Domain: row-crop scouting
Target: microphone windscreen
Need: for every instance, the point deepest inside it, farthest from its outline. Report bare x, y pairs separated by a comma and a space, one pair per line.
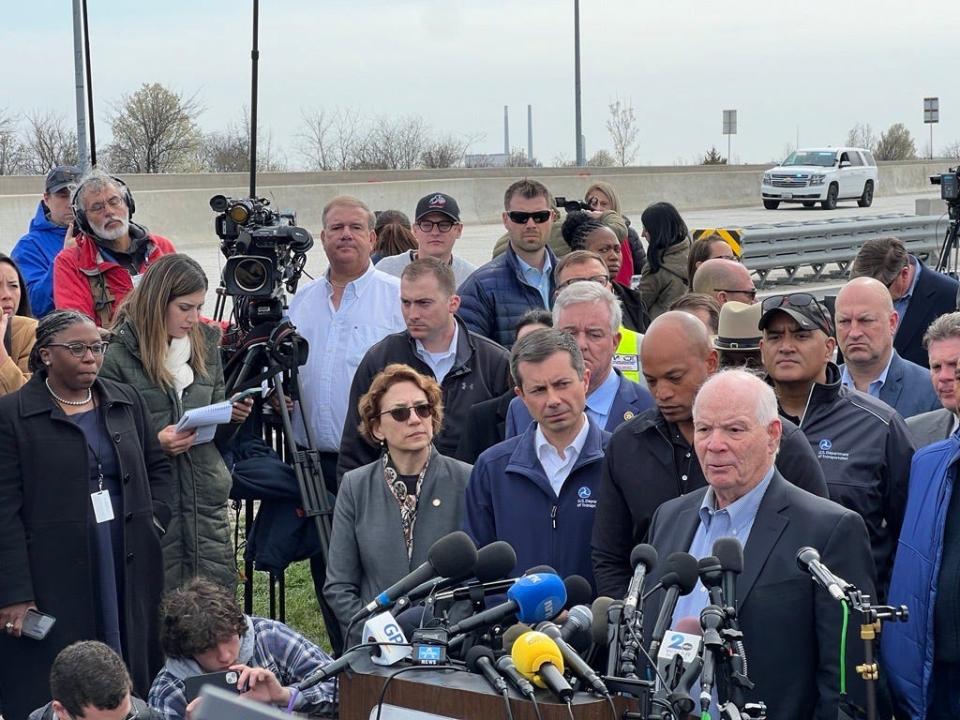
681, 569
531, 650
578, 590
453, 554
689, 625
540, 569
474, 654
538, 597
598, 629
708, 564
805, 556
729, 552
643, 553
495, 561
511, 634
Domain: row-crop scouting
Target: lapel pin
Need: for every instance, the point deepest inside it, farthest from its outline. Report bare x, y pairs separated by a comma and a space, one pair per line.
436, 502
628, 415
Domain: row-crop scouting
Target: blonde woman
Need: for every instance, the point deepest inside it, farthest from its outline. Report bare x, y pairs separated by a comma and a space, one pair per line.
162, 348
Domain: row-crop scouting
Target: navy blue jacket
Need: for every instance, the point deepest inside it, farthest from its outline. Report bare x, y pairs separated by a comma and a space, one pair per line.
907, 648
934, 295
509, 498
908, 389
34, 254
495, 297
631, 399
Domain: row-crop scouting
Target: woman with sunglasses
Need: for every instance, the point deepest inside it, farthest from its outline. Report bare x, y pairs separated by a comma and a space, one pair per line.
163, 349
84, 490
390, 512
664, 277
18, 329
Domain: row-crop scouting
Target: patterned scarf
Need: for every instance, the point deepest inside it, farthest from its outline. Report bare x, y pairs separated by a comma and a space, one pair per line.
408, 502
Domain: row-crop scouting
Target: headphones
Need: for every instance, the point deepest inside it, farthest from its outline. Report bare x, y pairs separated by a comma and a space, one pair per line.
80, 217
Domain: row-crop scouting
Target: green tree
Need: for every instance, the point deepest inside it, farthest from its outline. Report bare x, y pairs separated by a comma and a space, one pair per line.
713, 157
895, 144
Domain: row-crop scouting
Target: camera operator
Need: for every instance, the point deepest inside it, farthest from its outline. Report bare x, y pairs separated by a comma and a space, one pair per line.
88, 681
203, 630
111, 252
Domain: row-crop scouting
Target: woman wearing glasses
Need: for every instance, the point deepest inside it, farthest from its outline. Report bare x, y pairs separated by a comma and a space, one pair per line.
18, 329
390, 512
84, 490
163, 349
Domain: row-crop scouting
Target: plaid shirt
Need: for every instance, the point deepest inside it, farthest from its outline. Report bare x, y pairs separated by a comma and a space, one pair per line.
286, 653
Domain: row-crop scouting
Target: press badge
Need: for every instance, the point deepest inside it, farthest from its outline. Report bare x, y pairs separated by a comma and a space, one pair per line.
102, 507
626, 362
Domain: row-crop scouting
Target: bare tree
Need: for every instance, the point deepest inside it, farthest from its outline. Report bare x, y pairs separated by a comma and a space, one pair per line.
518, 158
12, 155
448, 151
154, 130
951, 151
602, 159
713, 157
47, 143
348, 133
861, 135
622, 126
229, 150
895, 144
392, 143
315, 143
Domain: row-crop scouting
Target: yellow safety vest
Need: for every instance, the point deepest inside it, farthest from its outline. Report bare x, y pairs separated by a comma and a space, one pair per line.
627, 357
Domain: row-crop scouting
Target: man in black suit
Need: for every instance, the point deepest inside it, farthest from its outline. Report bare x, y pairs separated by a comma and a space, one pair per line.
920, 294
791, 626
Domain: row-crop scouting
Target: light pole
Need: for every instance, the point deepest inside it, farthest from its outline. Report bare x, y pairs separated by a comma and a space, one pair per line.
576, 81
80, 85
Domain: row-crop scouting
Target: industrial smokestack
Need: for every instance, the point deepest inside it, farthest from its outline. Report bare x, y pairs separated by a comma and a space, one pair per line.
506, 130
530, 133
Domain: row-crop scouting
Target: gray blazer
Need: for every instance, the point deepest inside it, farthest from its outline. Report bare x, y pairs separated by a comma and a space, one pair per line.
930, 427
367, 552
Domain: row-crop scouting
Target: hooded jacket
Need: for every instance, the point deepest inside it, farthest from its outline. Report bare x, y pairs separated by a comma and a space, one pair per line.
659, 289
75, 267
34, 254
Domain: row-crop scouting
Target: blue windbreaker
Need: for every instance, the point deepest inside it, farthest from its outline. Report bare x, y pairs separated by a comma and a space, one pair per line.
34, 254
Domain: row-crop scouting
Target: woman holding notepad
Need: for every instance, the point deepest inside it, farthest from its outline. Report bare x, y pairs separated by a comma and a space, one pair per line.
163, 348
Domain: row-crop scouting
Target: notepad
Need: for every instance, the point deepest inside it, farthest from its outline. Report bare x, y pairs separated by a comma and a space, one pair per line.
205, 420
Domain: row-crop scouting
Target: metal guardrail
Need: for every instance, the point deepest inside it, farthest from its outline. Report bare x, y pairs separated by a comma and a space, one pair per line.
818, 245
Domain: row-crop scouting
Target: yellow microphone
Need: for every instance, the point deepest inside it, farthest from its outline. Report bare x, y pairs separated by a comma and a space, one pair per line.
538, 659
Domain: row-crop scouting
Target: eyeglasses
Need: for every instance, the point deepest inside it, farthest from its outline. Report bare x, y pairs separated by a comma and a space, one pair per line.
79, 349
115, 202
402, 414
521, 218
441, 225
602, 279
798, 300
752, 294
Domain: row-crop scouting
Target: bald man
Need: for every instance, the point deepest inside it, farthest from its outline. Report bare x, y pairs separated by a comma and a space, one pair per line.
725, 280
866, 325
651, 458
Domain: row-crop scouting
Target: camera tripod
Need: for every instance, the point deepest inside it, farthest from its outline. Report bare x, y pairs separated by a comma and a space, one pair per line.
948, 249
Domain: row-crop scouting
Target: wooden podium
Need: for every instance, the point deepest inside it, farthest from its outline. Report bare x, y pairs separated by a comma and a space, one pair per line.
456, 694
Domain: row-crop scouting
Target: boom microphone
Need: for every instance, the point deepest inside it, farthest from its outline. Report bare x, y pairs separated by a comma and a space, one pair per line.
533, 598
538, 658
494, 561
643, 558
679, 578
576, 664
808, 559
449, 555
729, 552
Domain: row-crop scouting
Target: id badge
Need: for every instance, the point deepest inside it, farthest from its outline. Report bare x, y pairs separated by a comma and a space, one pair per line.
102, 507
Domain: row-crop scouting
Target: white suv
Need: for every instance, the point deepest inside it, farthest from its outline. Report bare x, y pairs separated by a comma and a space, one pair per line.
821, 175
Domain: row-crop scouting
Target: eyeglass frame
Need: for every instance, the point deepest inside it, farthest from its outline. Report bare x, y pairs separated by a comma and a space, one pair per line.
102, 345
752, 293
435, 224
406, 410
764, 309
599, 279
528, 216
99, 207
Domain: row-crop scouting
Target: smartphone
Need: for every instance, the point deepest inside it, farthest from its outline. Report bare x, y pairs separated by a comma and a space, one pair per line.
37, 625
244, 394
226, 680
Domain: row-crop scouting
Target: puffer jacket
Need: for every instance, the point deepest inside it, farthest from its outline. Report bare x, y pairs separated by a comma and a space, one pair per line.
197, 542
495, 297
34, 254
659, 289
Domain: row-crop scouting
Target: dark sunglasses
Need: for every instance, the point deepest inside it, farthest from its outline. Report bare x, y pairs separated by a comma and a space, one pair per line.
798, 300
539, 217
402, 414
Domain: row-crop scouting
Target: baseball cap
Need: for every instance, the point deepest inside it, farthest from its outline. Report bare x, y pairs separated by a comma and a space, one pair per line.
438, 202
63, 176
803, 307
739, 327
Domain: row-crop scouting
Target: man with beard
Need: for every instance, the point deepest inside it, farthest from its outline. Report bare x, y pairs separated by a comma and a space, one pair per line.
110, 254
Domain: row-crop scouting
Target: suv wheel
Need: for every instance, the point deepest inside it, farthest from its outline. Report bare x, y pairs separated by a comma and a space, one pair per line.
771, 204
866, 200
809, 203
831, 202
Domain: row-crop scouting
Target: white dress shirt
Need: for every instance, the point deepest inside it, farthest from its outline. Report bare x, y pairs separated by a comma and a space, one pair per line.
440, 362
339, 338
557, 468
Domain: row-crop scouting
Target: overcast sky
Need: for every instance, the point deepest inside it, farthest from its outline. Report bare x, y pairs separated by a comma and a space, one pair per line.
820, 66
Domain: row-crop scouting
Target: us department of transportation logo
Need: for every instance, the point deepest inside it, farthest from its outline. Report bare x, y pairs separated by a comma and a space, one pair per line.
828, 453
825, 444
585, 498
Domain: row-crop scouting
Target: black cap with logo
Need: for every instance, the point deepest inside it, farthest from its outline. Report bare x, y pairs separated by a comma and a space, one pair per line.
440, 203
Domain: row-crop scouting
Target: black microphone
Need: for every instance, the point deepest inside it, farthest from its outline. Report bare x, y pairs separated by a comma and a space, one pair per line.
577, 626
729, 552
808, 559
449, 555
480, 660
330, 669
711, 620
508, 669
537, 569
643, 558
679, 698
572, 660
494, 561
711, 575
579, 591
679, 578
601, 620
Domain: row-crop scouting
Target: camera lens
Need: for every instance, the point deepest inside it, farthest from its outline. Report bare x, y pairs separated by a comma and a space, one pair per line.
251, 275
